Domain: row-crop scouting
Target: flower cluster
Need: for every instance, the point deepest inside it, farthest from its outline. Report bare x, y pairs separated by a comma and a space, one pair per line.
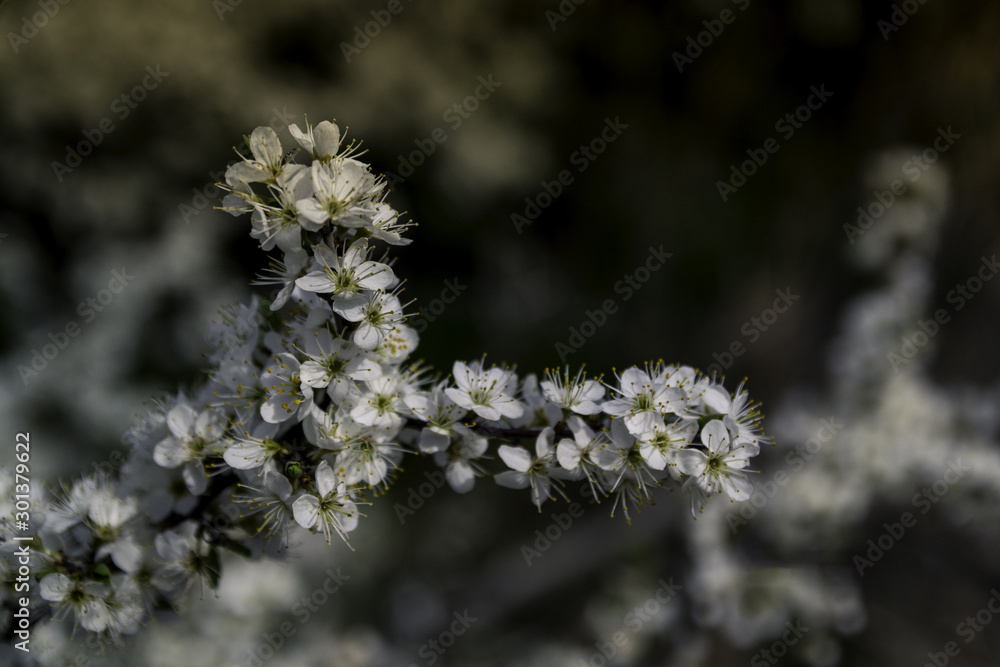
313, 403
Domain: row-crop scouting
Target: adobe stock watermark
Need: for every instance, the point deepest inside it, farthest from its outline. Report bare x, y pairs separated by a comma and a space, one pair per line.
696, 44
563, 11
303, 610
121, 107
418, 495
958, 297
924, 500
967, 629
561, 522
627, 286
30, 26
88, 310
435, 307
432, 650
796, 460
381, 18
901, 13
581, 159
752, 330
779, 649
455, 115
913, 169
786, 126
633, 622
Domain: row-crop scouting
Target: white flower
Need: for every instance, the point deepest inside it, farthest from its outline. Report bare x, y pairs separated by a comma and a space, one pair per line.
367, 454
340, 190
267, 162
376, 313
537, 471
88, 600
193, 436
660, 445
272, 502
719, 469
71, 507
282, 224
347, 276
180, 562
382, 402
634, 474
488, 393
335, 363
743, 421
107, 514
579, 395
457, 460
247, 453
586, 455
643, 402
287, 395
331, 511
385, 226
322, 141
325, 428
241, 388
440, 412
397, 344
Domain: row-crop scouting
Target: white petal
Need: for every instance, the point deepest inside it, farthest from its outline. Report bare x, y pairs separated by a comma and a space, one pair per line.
246, 455
460, 476
169, 453
327, 137
516, 458
314, 375
195, 477
211, 424
180, 421
432, 441
653, 456
351, 308
512, 479
55, 587
349, 521
461, 373
737, 486
692, 462
715, 436
717, 400
568, 454
635, 381
305, 510
126, 554
509, 408
265, 146
326, 479
366, 336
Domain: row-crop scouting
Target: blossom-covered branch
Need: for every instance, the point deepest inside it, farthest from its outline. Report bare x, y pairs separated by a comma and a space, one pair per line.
313, 403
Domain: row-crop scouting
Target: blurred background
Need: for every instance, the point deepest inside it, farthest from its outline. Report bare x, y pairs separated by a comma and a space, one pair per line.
117, 119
